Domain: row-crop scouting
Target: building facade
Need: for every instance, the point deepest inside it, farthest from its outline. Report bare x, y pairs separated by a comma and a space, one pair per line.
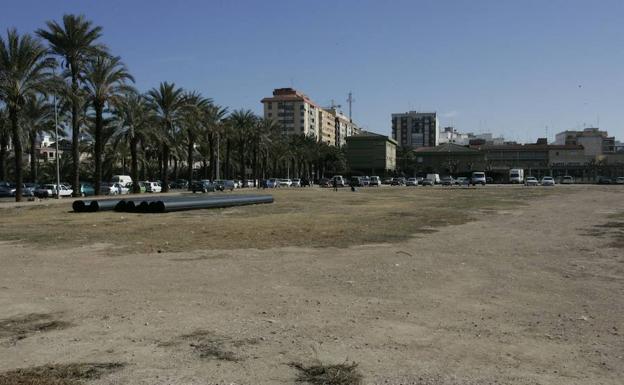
327, 127
371, 154
594, 141
344, 126
295, 112
415, 129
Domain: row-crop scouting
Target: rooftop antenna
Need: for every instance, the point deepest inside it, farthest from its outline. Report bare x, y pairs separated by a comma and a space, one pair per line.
334, 105
350, 100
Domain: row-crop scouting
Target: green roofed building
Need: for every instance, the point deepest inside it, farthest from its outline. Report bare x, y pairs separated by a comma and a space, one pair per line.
370, 153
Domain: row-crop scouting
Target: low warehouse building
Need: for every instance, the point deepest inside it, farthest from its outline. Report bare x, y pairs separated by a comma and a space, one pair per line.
371, 154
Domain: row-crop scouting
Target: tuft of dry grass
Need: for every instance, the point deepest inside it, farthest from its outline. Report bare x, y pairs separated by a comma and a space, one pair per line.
209, 345
59, 374
321, 374
20, 327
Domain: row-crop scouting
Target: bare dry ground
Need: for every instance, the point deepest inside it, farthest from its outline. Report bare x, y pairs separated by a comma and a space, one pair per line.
429, 286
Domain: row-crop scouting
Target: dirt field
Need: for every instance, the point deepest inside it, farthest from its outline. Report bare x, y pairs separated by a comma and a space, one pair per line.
429, 286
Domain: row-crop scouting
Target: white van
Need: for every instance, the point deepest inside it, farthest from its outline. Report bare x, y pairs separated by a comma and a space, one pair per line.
124, 180
478, 177
516, 175
434, 177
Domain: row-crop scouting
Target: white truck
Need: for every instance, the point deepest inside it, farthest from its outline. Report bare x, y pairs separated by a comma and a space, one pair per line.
434, 177
124, 180
516, 175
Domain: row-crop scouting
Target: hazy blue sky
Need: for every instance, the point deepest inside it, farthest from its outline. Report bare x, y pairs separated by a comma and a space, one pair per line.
507, 67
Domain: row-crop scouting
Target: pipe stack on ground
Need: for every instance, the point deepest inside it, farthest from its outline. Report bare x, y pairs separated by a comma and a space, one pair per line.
91, 206
169, 203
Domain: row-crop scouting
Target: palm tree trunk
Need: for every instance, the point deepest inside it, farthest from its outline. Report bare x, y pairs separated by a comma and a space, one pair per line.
213, 157
17, 148
227, 159
98, 148
254, 165
75, 136
165, 168
134, 165
191, 145
4, 144
33, 156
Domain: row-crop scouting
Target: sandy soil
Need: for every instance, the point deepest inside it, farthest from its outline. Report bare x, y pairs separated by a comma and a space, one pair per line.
524, 295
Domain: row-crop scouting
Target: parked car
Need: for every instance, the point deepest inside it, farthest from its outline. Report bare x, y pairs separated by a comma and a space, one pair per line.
340, 182
387, 181
427, 182
296, 182
365, 181
604, 180
180, 184
305, 182
152, 187
400, 181
86, 189
224, 184
619, 180
547, 181
285, 183
49, 191
375, 181
531, 181
489, 179
567, 179
271, 183
462, 180
28, 190
478, 177
325, 182
447, 181
203, 185
113, 189
411, 182
356, 181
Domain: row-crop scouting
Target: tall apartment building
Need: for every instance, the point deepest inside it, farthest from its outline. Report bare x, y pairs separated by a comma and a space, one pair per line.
295, 112
327, 127
415, 129
344, 126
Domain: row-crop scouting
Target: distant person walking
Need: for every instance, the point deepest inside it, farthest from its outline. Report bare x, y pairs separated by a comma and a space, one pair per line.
335, 183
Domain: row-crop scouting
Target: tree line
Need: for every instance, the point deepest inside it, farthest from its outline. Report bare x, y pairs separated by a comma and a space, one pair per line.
64, 70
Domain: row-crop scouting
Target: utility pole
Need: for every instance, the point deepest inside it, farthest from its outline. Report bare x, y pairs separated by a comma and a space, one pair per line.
56, 140
350, 100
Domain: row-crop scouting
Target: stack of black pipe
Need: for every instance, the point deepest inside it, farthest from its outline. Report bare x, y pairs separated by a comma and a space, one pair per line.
169, 203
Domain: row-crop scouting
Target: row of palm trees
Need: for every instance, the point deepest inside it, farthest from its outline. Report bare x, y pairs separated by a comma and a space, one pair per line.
64, 68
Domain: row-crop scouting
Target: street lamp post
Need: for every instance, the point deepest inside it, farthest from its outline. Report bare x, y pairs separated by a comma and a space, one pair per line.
56, 133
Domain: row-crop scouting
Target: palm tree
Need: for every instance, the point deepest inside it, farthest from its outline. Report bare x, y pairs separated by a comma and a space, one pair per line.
134, 125
209, 137
168, 102
4, 143
193, 121
38, 117
243, 123
24, 74
75, 42
104, 80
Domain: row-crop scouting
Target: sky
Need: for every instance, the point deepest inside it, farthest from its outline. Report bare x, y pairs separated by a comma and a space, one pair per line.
518, 68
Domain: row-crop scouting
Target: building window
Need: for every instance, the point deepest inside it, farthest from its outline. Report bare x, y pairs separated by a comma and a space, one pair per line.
269, 114
270, 105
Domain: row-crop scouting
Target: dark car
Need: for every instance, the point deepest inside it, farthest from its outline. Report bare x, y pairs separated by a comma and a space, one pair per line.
489, 180
179, 184
305, 182
447, 181
325, 182
604, 180
202, 186
398, 181
356, 181
427, 182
